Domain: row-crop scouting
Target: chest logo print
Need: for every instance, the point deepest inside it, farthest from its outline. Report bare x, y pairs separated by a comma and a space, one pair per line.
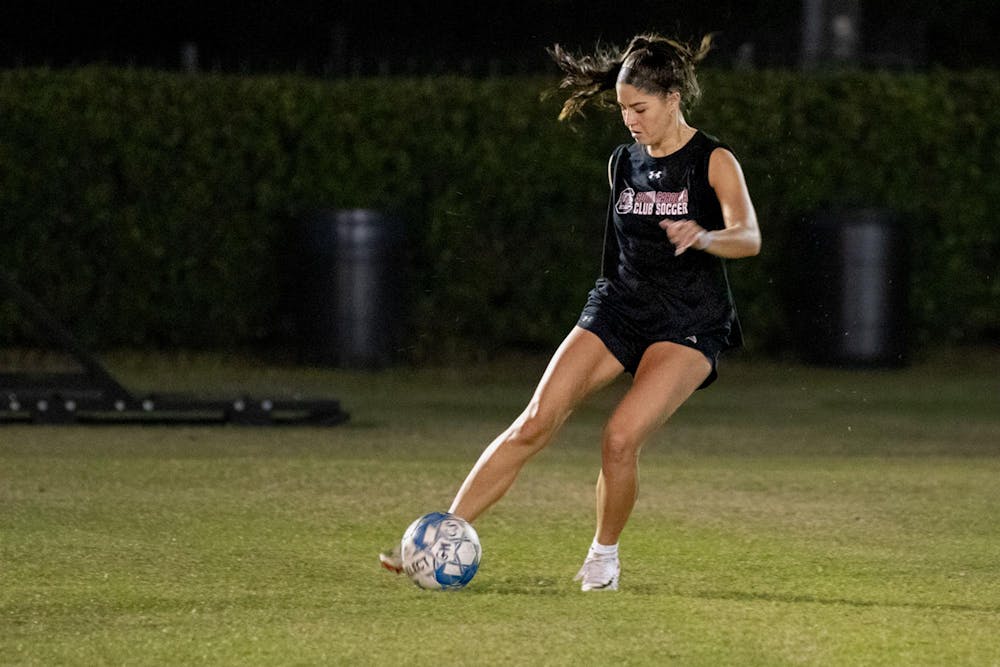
625, 201
652, 202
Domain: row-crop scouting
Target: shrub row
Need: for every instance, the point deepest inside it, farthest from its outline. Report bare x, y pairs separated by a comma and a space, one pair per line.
158, 209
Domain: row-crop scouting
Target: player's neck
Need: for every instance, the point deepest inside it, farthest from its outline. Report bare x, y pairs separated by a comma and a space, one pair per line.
673, 140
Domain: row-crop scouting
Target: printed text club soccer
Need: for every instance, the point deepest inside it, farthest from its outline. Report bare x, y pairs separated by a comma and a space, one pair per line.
652, 202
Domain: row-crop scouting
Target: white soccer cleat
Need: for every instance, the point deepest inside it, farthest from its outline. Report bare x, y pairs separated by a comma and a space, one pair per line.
599, 574
392, 560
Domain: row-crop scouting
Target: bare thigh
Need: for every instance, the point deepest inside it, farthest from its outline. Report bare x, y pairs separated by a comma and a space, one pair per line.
667, 375
581, 366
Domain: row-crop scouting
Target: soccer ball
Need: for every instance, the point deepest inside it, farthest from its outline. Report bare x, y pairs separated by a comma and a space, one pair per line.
441, 551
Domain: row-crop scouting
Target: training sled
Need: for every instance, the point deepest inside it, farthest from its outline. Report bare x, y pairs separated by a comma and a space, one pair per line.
93, 395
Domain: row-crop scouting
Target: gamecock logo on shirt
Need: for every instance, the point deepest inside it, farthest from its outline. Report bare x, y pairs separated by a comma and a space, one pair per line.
625, 201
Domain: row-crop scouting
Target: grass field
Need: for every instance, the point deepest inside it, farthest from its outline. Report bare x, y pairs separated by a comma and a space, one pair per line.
788, 516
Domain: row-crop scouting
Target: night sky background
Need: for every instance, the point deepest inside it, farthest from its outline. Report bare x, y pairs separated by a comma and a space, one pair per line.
341, 38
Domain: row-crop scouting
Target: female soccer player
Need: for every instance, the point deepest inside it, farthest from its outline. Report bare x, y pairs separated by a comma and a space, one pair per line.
661, 310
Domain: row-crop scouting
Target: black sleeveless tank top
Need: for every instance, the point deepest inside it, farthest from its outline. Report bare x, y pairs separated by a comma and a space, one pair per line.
662, 295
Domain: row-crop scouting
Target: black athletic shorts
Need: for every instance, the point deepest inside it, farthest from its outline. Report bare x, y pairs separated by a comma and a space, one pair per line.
628, 344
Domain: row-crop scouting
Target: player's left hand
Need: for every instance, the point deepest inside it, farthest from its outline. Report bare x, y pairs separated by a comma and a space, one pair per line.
684, 234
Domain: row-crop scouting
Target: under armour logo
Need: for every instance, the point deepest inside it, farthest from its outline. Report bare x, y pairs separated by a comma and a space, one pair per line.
655, 174
693, 339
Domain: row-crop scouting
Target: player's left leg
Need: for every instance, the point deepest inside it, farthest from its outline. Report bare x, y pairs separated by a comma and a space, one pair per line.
666, 377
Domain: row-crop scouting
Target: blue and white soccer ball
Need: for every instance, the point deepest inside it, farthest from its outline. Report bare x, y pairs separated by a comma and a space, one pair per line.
441, 551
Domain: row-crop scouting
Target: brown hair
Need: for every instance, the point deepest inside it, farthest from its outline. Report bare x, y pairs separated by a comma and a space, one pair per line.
652, 63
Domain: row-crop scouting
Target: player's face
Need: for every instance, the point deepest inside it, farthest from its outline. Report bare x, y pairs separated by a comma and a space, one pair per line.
647, 116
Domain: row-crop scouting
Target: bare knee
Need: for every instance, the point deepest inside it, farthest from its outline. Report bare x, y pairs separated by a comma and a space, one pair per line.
533, 430
620, 446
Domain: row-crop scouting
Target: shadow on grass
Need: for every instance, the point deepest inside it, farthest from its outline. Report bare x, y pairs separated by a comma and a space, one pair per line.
511, 587
791, 598
553, 588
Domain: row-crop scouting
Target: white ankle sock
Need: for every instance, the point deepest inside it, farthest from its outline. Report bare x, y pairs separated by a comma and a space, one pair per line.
603, 550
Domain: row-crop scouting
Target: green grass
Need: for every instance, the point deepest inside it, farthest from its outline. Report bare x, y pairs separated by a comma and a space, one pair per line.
788, 516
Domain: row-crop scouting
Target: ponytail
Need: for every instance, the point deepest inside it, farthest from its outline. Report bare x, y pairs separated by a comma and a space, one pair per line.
650, 62
587, 77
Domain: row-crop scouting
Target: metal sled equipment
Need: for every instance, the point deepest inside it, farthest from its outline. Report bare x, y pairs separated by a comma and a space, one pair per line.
93, 395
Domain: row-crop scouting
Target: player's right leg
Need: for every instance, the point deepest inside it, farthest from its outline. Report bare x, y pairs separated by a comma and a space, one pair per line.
580, 366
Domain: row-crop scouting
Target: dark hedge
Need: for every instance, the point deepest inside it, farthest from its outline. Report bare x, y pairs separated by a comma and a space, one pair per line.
162, 209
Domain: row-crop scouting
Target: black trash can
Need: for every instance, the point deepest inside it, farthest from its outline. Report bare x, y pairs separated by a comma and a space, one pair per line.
350, 277
851, 302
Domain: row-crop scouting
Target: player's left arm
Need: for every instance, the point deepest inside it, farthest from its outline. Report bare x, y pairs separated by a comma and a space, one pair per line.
741, 235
